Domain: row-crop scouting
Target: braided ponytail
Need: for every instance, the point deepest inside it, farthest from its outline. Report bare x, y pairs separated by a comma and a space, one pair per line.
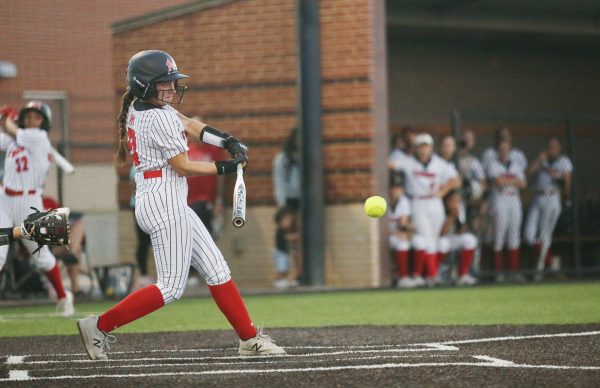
122, 150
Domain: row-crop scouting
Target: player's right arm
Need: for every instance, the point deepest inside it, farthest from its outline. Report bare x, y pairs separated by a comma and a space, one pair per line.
537, 164
185, 167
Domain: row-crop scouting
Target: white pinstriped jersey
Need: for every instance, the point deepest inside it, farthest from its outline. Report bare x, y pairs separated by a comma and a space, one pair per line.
425, 179
396, 156
179, 239
154, 135
511, 169
515, 155
27, 161
544, 181
398, 210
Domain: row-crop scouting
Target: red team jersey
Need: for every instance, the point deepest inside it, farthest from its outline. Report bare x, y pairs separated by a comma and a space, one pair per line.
204, 187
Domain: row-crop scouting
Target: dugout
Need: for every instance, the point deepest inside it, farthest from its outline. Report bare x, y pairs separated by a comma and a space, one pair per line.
530, 66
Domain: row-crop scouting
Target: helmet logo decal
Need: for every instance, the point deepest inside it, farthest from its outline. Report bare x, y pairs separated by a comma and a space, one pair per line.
171, 65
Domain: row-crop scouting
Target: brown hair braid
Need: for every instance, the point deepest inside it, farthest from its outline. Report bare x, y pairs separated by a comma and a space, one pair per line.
122, 150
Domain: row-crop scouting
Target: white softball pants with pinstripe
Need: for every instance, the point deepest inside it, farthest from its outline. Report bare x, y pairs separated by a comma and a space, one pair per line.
179, 239
541, 219
13, 210
428, 217
507, 215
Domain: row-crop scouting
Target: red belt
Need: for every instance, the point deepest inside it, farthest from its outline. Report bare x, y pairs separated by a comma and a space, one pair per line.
13, 193
152, 174
546, 192
430, 196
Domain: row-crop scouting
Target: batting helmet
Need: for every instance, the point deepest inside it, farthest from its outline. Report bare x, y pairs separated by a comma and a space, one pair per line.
39, 107
148, 67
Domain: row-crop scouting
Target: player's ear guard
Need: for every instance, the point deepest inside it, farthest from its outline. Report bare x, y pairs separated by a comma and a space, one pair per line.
230, 166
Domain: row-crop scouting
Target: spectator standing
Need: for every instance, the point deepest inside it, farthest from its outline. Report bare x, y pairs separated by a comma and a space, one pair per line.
473, 180
287, 187
507, 179
428, 179
551, 173
400, 231
402, 146
456, 237
285, 238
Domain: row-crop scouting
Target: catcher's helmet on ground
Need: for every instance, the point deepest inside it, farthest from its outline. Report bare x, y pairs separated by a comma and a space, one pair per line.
148, 67
39, 107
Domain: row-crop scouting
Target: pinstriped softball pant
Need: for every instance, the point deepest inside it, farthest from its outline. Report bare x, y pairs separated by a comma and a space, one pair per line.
179, 238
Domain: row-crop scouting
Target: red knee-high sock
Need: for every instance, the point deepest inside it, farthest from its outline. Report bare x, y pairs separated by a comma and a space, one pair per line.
432, 265
230, 302
54, 277
402, 263
498, 261
440, 257
419, 263
513, 259
548, 258
136, 305
466, 258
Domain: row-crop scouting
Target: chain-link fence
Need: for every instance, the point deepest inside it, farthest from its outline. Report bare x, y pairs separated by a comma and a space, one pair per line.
540, 214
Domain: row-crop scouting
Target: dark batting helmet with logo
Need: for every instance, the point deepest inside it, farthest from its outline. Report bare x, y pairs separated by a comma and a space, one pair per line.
148, 67
39, 107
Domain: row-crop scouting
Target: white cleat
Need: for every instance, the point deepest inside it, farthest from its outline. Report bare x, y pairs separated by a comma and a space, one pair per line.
94, 340
261, 345
418, 281
405, 282
64, 307
466, 280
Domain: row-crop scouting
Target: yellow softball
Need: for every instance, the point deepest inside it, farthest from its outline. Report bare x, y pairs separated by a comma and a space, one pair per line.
375, 206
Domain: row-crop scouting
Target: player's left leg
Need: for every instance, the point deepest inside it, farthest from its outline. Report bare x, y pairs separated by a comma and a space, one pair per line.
515, 214
47, 263
549, 217
44, 259
208, 260
467, 243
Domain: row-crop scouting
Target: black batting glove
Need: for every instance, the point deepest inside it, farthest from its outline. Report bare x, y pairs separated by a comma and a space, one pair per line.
235, 147
230, 166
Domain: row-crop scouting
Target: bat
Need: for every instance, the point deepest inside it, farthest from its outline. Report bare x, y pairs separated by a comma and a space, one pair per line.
239, 199
63, 163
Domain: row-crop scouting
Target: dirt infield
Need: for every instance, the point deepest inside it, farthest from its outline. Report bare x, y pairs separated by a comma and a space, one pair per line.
344, 356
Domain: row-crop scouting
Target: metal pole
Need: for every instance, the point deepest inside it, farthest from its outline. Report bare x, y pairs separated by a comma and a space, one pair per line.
574, 200
313, 198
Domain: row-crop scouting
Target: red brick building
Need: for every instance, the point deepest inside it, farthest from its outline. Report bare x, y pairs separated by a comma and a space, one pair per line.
242, 59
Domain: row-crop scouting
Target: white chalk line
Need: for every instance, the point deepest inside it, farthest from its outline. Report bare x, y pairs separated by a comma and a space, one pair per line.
516, 338
493, 362
203, 350
254, 362
29, 316
497, 363
300, 355
429, 344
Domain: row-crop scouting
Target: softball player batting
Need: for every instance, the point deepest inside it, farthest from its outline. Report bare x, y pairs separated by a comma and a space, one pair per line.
428, 180
552, 177
155, 137
507, 179
26, 166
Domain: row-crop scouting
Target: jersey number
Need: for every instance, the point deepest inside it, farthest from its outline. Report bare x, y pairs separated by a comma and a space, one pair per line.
21, 164
131, 142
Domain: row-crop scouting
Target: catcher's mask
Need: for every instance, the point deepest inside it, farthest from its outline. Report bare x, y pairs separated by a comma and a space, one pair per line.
148, 67
39, 107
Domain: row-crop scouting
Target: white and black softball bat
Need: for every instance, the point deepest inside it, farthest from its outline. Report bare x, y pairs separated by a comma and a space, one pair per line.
239, 199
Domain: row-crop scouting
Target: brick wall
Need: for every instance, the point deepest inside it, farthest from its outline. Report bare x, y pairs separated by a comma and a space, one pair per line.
66, 45
242, 59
